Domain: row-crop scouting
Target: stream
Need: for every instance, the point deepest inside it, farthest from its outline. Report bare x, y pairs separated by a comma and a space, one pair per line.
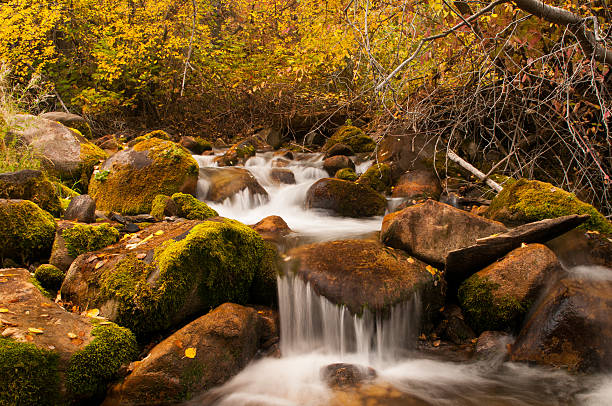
316, 333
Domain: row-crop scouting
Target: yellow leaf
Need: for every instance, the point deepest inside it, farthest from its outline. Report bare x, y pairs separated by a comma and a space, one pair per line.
35, 330
92, 312
3, 310
523, 245
431, 269
104, 323
72, 335
411, 260
190, 352
159, 232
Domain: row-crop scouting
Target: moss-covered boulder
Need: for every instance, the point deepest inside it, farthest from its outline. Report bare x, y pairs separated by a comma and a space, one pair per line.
31, 185
196, 145
71, 121
64, 152
168, 273
159, 134
129, 181
191, 208
499, 296
530, 200
334, 163
363, 274
205, 353
238, 153
27, 231
339, 149
82, 238
68, 358
571, 327
163, 206
378, 177
345, 198
224, 183
347, 174
352, 136
49, 276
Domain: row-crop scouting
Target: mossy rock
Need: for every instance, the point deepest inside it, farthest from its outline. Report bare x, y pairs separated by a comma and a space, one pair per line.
93, 368
345, 198
49, 276
159, 134
84, 238
191, 208
353, 137
133, 177
525, 201
72, 121
161, 207
378, 177
31, 185
28, 375
27, 231
238, 153
347, 174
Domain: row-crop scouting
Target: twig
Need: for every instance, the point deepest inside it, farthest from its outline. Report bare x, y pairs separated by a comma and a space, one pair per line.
193, 30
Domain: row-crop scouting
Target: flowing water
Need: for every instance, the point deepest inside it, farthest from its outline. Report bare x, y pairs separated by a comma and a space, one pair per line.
316, 333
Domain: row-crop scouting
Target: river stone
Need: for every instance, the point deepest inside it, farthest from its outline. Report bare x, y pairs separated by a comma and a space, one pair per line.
33, 185
577, 247
363, 274
272, 226
59, 253
129, 180
343, 375
282, 175
271, 136
226, 182
333, 164
238, 153
430, 230
196, 145
570, 328
70, 120
493, 344
417, 185
345, 198
81, 208
339, 149
499, 296
222, 343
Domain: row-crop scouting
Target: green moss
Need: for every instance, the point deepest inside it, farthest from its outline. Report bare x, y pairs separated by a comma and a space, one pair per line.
191, 208
525, 201
40, 288
353, 137
485, 310
27, 232
82, 127
158, 207
86, 238
159, 134
346, 174
91, 155
131, 191
221, 258
245, 151
378, 177
91, 369
36, 188
28, 375
49, 276
202, 145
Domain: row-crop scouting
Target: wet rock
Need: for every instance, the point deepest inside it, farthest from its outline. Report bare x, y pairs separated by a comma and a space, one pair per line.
577, 248
461, 263
333, 164
493, 344
418, 185
226, 182
63, 152
285, 154
27, 231
196, 145
238, 153
129, 181
430, 230
339, 149
570, 328
347, 174
280, 162
81, 208
345, 198
364, 274
405, 152
530, 200
30, 185
378, 177
499, 296
272, 226
89, 354
271, 136
70, 120
169, 273
346, 375
453, 327
205, 353
280, 175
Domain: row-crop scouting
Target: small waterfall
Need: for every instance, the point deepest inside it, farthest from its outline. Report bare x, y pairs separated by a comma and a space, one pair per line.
312, 323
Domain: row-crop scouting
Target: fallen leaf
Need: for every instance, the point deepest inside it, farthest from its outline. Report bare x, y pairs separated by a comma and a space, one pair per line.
29, 337
35, 330
431, 269
3, 310
411, 260
71, 335
159, 232
104, 323
436, 343
592, 232
92, 312
100, 264
190, 352
142, 255
3, 280
523, 245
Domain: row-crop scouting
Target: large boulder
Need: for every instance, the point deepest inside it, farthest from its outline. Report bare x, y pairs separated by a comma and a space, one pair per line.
223, 183
525, 201
363, 274
417, 185
47, 353
27, 231
571, 327
352, 136
378, 177
205, 353
430, 230
334, 163
33, 185
405, 152
64, 152
169, 273
70, 120
129, 181
345, 198
499, 296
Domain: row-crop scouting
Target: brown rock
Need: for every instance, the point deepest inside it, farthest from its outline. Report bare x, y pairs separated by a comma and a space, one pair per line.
280, 175
333, 164
430, 230
272, 226
418, 184
493, 344
345, 198
81, 208
59, 253
29, 184
226, 182
339, 149
346, 375
571, 328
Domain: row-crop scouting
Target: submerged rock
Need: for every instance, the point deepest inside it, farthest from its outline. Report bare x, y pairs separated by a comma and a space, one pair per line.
362, 274
346, 375
499, 296
345, 198
493, 344
226, 182
30, 185
571, 327
237, 154
205, 353
129, 181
